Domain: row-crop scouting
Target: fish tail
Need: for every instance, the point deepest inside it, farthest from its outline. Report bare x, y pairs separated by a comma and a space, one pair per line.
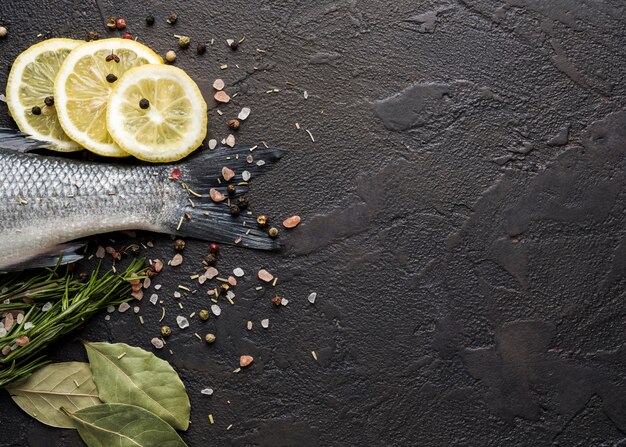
202, 217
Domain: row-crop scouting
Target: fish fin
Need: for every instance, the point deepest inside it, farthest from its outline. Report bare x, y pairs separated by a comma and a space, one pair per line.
213, 221
58, 255
14, 140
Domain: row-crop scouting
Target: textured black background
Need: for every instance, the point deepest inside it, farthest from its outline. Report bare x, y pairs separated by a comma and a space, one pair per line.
463, 208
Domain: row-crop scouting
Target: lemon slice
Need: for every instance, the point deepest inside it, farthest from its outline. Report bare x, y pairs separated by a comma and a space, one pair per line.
30, 82
157, 113
81, 89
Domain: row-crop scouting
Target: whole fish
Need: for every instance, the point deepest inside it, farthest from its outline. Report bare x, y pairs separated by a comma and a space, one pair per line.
46, 202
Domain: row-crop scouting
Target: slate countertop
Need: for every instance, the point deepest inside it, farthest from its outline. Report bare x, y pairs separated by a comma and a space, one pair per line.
463, 221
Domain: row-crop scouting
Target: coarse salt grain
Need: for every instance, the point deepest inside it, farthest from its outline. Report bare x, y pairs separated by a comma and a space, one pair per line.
216, 310
249, 325
182, 322
265, 323
177, 294
157, 343
136, 309
292, 222
176, 260
207, 391
100, 252
216, 196
284, 301
244, 114
218, 84
211, 273
264, 275
157, 287
154, 298
230, 140
312, 298
20, 318
46, 307
28, 325
245, 176
238, 272
245, 360
222, 96
123, 307
212, 143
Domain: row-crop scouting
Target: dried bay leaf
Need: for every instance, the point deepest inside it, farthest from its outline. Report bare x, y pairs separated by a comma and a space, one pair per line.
41, 395
122, 425
129, 375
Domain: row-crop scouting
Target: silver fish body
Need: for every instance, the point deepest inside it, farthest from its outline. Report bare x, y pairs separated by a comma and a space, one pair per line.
48, 201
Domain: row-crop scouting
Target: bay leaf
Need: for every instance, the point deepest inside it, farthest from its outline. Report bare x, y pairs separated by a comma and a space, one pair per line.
122, 425
42, 394
130, 375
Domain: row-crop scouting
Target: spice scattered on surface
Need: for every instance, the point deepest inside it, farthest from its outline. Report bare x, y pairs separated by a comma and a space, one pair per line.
216, 196
158, 266
245, 176
312, 298
210, 338
264, 275
244, 114
277, 300
120, 23
230, 140
201, 48
3, 31
291, 222
92, 35
249, 325
172, 18
207, 391
212, 143
232, 43
183, 41
112, 23
203, 314
182, 322
127, 36
166, 331
306, 94
238, 272
227, 173
123, 307
170, 56
179, 245
265, 323
273, 232
284, 301
211, 273
234, 124
211, 421
154, 298
216, 310
111, 78
218, 84
245, 360
222, 96
314, 354
157, 343
176, 260
150, 20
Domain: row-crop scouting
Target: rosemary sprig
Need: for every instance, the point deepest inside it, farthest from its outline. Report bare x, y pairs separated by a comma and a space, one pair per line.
72, 303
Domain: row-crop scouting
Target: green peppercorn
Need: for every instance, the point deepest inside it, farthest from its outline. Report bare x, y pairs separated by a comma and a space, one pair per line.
112, 23
273, 232
210, 338
111, 78
201, 48
36, 110
49, 101
203, 314
262, 220
166, 331
144, 103
184, 41
150, 20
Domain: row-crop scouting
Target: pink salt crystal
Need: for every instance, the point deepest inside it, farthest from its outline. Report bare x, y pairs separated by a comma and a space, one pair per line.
227, 173
264, 275
211, 273
232, 281
218, 84
222, 96
245, 360
216, 196
291, 222
177, 260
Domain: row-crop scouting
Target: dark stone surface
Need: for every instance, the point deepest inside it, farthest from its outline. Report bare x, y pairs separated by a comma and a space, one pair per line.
464, 215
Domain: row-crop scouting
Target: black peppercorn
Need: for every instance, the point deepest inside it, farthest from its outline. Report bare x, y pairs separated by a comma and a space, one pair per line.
112, 23
172, 18
150, 20
242, 202
234, 210
179, 245
234, 45
36, 110
231, 189
144, 103
210, 259
112, 57
49, 101
201, 48
111, 78
234, 124
92, 35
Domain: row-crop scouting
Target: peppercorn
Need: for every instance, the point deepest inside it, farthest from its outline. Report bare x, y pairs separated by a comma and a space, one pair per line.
273, 232
3, 31
120, 23
170, 56
231, 189
172, 18
234, 45
150, 20
111, 78
203, 314
213, 247
150, 272
234, 210
224, 287
210, 338
49, 101
112, 23
234, 124
242, 202
179, 245
144, 103
127, 36
201, 48
277, 300
210, 259
83, 276
92, 35
262, 220
183, 41
36, 110
166, 331
112, 57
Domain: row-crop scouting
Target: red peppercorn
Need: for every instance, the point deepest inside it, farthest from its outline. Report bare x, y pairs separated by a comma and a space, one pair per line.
127, 36
214, 248
120, 23
175, 175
